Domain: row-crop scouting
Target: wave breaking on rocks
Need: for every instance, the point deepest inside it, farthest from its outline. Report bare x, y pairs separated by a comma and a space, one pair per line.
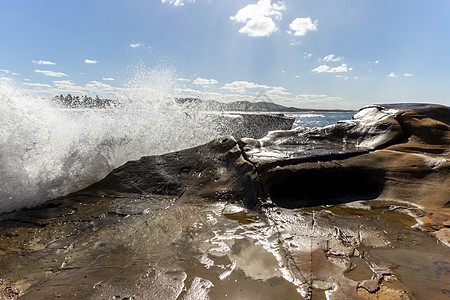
312, 212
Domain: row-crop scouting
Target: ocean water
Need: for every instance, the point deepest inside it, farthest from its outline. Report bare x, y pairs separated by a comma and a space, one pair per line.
48, 151
318, 119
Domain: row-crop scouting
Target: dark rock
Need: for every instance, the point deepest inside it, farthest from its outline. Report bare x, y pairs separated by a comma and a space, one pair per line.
383, 152
214, 171
151, 228
321, 183
338, 163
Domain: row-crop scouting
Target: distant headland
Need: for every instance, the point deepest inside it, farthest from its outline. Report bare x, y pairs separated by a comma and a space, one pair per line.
70, 101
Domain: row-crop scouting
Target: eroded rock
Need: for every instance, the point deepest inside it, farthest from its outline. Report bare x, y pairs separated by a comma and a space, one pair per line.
397, 154
215, 171
164, 226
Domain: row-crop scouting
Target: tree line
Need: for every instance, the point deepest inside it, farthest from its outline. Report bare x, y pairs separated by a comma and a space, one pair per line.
83, 102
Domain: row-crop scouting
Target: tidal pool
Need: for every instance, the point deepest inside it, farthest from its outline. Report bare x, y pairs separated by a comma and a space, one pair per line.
163, 248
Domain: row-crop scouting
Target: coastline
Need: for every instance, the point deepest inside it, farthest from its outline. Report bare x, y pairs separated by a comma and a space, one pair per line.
307, 209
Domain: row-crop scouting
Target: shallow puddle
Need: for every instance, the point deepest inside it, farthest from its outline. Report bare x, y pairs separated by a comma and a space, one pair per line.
159, 248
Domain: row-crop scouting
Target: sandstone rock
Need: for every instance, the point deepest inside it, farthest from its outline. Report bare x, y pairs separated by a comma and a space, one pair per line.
163, 225
338, 163
386, 152
214, 171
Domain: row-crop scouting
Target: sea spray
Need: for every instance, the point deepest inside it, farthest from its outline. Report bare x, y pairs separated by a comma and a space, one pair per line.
48, 151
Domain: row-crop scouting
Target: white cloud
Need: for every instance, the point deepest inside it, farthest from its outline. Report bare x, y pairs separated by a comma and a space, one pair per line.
38, 85
183, 79
98, 85
317, 100
242, 86
5, 79
8, 72
26, 79
51, 73
276, 95
250, 91
308, 55
392, 75
326, 69
135, 45
301, 26
90, 61
340, 69
277, 91
65, 83
259, 26
331, 57
321, 69
67, 86
108, 79
43, 62
259, 18
261, 8
202, 81
374, 62
177, 2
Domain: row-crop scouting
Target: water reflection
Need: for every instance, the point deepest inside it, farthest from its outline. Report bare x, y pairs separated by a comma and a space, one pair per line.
164, 248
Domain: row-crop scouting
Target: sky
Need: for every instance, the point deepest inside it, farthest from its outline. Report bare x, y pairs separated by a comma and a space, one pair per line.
303, 53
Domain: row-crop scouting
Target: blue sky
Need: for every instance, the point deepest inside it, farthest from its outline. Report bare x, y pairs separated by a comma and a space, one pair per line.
304, 53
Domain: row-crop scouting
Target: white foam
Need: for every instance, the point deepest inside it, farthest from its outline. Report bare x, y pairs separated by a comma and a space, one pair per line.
433, 162
46, 151
301, 116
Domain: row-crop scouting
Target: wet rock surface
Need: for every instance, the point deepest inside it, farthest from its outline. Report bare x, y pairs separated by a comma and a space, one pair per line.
216, 171
391, 152
165, 248
340, 212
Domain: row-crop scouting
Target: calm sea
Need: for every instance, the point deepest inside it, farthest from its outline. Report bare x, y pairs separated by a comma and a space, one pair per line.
318, 119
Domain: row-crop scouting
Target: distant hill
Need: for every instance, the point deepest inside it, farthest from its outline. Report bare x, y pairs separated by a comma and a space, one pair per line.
194, 103
247, 106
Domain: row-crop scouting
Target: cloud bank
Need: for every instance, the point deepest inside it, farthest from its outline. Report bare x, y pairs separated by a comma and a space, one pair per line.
43, 62
259, 18
51, 73
301, 26
202, 81
327, 69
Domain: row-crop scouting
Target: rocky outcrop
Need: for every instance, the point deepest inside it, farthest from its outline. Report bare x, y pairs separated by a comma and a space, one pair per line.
167, 226
216, 171
391, 151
